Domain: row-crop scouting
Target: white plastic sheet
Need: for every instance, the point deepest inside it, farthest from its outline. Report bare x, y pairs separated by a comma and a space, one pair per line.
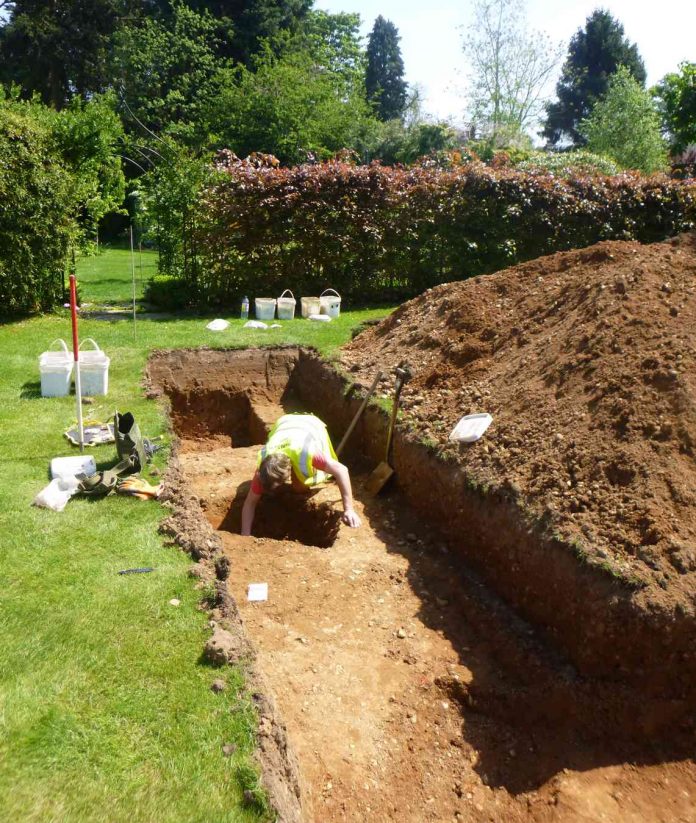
217, 325
56, 495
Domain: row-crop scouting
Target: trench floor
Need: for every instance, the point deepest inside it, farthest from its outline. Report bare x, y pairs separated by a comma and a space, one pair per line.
373, 647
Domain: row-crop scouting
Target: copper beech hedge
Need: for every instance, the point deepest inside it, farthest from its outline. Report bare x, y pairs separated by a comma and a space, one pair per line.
374, 232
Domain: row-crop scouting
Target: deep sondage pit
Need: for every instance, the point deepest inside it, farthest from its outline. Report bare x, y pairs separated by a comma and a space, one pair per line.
287, 515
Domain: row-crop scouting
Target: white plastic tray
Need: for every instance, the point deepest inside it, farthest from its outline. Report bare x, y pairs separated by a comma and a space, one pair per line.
471, 428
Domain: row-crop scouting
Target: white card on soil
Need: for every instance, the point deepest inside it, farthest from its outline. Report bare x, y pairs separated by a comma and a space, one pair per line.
257, 592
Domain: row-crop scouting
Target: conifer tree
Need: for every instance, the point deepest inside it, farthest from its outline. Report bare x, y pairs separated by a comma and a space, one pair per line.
594, 55
384, 77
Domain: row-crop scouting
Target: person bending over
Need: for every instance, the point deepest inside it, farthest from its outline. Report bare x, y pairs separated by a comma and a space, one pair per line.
298, 450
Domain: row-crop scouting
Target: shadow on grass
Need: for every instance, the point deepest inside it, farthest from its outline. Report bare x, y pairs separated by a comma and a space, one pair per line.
31, 390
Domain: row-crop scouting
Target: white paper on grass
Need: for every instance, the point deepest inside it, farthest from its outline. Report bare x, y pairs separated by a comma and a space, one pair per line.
471, 428
255, 324
324, 318
217, 325
257, 592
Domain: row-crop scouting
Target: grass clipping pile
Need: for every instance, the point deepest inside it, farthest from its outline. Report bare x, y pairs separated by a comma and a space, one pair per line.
587, 362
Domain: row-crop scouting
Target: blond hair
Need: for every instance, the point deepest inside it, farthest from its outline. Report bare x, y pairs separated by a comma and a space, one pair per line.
275, 470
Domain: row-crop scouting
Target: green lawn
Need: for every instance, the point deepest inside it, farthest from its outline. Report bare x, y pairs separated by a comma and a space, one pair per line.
106, 711
107, 278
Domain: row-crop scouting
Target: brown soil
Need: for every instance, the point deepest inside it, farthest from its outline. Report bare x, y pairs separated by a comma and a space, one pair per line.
587, 362
411, 692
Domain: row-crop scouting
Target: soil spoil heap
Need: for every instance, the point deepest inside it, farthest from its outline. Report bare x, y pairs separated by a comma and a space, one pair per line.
587, 362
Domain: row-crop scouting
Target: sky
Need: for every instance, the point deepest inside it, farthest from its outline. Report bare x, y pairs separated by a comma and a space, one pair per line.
431, 36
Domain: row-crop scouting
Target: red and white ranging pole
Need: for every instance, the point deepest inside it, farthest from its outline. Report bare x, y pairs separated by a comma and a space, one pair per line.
76, 354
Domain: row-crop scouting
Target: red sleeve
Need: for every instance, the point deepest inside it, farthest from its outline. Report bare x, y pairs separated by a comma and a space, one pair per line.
319, 462
256, 486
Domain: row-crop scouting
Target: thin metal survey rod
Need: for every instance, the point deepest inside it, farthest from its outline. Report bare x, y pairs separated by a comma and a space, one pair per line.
133, 273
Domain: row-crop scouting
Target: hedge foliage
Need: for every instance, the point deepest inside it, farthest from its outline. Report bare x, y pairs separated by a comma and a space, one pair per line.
35, 219
59, 175
374, 232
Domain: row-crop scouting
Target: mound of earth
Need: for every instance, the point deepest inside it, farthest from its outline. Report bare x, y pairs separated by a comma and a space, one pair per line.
586, 361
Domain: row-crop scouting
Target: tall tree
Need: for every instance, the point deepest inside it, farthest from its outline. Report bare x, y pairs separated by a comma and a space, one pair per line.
58, 48
334, 41
302, 96
384, 78
511, 66
594, 55
676, 101
244, 24
625, 126
165, 70
62, 48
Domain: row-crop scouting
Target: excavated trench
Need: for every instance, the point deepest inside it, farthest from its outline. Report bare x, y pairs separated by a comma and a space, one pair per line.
411, 690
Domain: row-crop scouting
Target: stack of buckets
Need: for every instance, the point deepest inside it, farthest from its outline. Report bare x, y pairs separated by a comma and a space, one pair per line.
55, 368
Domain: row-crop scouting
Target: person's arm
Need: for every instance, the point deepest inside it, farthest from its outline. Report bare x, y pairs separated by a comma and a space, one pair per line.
340, 472
249, 507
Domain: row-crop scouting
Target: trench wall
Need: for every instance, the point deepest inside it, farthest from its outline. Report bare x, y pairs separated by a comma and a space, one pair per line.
607, 630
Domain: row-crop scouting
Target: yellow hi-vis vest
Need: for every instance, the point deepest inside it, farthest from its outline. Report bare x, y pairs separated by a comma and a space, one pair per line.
300, 437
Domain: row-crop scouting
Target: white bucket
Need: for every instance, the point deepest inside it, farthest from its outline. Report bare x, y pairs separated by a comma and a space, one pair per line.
310, 305
56, 368
265, 308
330, 303
94, 370
286, 306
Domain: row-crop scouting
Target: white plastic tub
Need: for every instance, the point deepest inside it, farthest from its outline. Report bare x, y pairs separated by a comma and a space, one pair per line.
55, 368
310, 305
94, 370
265, 308
471, 428
286, 306
330, 303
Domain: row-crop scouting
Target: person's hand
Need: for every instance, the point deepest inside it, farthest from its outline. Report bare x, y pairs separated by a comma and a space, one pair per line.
350, 518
